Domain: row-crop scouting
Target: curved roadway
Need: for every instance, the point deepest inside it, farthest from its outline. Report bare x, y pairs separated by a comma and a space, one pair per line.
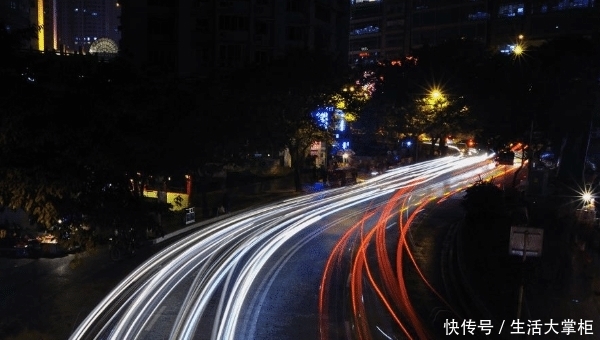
326, 265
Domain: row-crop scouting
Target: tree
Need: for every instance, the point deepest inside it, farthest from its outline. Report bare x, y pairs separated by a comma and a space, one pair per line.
54, 162
274, 103
483, 201
439, 116
13, 39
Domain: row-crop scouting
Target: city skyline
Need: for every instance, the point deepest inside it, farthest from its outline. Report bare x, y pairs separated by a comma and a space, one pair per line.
200, 39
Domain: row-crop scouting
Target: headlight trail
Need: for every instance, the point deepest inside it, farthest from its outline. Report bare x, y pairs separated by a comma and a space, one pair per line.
226, 261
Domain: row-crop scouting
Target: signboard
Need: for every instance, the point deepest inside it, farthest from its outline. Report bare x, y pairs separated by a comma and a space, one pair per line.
526, 241
190, 216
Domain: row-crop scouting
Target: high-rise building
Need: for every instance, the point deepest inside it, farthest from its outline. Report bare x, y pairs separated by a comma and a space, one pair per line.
501, 23
81, 22
200, 38
378, 31
540, 20
64, 25
17, 15
434, 21
376, 26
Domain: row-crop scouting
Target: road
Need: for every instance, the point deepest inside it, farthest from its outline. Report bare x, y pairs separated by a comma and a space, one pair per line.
317, 266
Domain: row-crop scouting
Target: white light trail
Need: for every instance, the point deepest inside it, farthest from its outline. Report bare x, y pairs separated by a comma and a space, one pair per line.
229, 256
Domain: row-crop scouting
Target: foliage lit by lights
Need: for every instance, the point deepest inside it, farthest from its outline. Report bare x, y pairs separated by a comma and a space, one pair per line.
330, 117
321, 116
437, 115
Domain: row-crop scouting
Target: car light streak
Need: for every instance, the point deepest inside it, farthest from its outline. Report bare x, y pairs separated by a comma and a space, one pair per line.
233, 261
390, 285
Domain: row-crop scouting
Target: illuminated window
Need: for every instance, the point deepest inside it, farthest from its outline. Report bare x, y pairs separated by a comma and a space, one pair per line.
365, 30
479, 16
511, 10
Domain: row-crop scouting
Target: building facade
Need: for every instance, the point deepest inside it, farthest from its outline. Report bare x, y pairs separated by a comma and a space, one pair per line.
390, 29
18, 15
203, 38
433, 22
540, 20
378, 31
81, 22
15, 14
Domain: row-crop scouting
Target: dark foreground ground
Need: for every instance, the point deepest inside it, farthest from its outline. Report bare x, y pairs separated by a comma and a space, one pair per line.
552, 295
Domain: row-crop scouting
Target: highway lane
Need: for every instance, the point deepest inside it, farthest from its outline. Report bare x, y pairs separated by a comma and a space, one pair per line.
266, 273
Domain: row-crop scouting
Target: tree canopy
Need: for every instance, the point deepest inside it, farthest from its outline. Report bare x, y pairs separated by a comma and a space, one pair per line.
276, 102
125, 123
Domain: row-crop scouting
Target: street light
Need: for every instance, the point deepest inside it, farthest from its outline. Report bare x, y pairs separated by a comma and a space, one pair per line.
436, 94
587, 198
519, 48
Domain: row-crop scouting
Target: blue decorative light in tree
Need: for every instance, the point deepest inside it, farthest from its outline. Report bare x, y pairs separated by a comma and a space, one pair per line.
330, 117
321, 115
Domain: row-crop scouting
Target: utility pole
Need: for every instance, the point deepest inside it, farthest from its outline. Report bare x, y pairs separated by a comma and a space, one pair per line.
522, 286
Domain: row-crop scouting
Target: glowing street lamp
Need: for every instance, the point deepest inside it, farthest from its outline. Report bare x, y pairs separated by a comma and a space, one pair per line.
518, 50
436, 98
587, 197
519, 47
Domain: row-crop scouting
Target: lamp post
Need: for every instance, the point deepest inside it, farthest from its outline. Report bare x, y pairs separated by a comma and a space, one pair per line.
519, 48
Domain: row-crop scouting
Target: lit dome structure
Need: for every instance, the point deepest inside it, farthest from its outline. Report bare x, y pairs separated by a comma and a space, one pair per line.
104, 47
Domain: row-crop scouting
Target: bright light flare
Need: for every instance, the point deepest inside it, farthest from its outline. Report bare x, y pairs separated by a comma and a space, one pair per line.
436, 94
518, 50
587, 197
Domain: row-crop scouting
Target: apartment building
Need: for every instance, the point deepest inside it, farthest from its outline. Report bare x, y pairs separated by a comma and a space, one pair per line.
389, 29
202, 38
81, 22
378, 31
